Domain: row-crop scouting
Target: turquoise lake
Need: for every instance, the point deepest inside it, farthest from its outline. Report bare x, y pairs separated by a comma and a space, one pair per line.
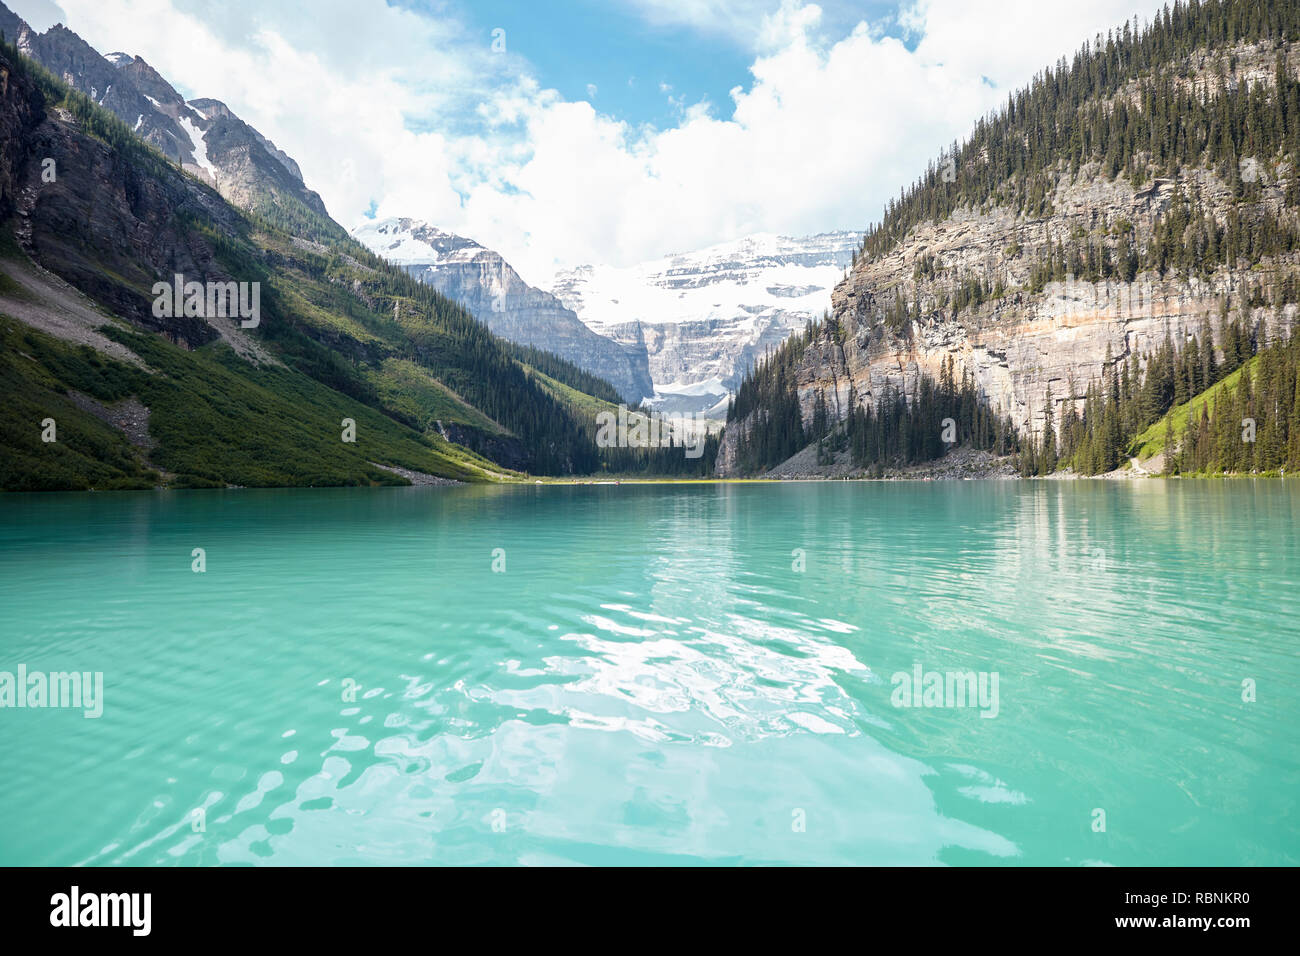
655, 674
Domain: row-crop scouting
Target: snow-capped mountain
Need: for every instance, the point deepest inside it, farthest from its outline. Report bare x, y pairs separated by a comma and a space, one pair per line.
409, 242
703, 318
680, 331
203, 135
482, 281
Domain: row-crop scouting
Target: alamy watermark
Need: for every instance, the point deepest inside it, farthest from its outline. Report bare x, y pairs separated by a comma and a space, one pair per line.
922, 688
209, 300
626, 429
65, 689
129, 910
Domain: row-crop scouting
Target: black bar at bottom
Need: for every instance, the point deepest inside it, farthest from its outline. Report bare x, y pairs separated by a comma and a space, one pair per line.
333, 906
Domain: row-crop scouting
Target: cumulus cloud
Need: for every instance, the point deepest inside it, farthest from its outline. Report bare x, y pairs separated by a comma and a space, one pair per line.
823, 132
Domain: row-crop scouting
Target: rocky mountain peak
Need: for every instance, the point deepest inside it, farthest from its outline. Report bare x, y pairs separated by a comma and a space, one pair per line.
204, 136
150, 82
413, 242
481, 280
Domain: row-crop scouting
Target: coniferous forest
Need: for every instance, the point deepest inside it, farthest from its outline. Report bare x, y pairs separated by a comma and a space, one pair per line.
1238, 390
901, 428
1065, 117
1162, 107
1231, 409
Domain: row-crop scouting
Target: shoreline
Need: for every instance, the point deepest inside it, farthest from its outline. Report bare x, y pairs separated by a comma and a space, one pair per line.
615, 482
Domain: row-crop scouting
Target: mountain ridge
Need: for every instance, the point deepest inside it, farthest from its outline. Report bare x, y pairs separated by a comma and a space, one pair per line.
342, 337
703, 318
482, 281
1143, 192
203, 135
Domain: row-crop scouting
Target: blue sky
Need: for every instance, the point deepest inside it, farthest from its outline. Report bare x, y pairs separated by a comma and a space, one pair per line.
642, 66
707, 120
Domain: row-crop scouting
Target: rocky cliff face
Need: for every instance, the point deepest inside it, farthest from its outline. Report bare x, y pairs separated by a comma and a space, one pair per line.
483, 282
21, 109
702, 319
109, 228
679, 332
896, 316
203, 135
1023, 343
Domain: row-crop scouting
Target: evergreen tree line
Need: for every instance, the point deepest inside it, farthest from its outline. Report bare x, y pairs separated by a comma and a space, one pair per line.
1067, 117
906, 430
897, 429
1252, 425
563, 371
768, 393
1182, 243
1130, 397
666, 461
442, 336
481, 368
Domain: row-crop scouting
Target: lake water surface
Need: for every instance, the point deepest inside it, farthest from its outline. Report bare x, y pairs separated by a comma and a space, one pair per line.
657, 675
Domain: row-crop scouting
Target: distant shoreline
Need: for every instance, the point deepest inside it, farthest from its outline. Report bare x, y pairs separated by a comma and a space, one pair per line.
612, 482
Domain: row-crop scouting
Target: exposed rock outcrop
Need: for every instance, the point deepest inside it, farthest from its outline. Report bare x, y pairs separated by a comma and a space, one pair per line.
109, 228
1020, 345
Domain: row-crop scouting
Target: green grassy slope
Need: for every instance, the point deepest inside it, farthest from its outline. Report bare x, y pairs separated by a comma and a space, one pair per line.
1152, 441
215, 419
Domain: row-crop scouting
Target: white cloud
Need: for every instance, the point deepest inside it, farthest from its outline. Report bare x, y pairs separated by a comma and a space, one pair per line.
819, 138
1010, 40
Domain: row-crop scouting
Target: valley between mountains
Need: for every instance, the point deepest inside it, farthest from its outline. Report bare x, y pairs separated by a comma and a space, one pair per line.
1101, 279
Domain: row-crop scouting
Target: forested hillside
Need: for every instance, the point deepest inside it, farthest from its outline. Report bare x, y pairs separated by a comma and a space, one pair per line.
341, 335
1120, 236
